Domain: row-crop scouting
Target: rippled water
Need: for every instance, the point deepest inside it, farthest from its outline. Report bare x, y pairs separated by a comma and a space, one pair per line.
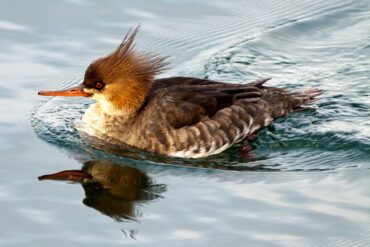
304, 184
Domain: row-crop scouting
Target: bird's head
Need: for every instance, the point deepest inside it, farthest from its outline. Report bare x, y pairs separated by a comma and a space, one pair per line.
120, 81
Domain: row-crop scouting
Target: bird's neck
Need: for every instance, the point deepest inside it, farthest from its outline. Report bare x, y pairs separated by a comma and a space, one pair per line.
125, 103
97, 121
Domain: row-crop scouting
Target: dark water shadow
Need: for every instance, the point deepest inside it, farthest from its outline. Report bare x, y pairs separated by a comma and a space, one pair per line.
115, 190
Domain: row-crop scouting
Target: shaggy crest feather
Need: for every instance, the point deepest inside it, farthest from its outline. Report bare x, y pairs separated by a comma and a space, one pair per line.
126, 62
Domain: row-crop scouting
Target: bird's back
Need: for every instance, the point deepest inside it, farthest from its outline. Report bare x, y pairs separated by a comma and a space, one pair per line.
190, 117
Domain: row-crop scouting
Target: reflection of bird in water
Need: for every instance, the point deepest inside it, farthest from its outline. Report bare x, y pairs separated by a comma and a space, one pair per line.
177, 116
114, 190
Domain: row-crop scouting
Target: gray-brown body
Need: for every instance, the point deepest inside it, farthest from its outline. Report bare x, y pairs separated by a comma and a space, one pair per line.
190, 117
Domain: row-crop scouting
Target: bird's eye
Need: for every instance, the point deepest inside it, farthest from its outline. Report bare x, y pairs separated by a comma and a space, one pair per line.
99, 85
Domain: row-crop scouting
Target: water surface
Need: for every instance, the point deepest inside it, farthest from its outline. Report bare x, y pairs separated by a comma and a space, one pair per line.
304, 184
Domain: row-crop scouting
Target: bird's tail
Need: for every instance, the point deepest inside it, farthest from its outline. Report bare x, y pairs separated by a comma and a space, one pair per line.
283, 102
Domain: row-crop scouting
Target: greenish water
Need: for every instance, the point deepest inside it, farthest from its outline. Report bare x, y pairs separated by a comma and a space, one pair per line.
306, 183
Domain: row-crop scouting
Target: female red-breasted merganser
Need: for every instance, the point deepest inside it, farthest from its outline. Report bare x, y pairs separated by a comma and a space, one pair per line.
176, 116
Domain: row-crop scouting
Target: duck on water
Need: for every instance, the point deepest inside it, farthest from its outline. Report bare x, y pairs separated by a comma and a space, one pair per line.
176, 116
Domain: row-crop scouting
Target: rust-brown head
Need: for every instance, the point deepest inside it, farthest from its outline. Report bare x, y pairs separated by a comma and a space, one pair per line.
120, 81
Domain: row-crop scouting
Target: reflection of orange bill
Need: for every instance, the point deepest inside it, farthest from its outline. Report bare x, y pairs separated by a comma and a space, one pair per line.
68, 175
